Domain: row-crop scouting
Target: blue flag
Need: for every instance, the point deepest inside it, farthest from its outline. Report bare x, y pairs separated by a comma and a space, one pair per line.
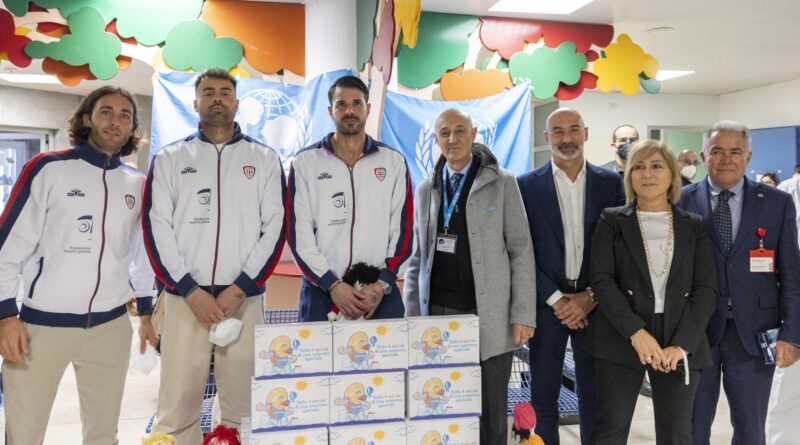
284, 117
503, 122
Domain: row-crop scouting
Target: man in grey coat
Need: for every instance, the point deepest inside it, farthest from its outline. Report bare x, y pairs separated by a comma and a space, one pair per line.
474, 255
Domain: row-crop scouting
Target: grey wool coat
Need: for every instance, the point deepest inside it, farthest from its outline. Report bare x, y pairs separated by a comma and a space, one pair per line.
500, 249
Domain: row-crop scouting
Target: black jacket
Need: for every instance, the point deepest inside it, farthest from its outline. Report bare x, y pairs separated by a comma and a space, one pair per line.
620, 279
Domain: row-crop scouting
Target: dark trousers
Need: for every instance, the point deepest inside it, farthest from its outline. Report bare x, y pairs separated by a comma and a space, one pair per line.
315, 304
747, 381
495, 372
547, 350
617, 392
618, 389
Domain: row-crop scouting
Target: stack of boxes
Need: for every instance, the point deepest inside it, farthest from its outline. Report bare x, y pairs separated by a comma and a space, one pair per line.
381, 382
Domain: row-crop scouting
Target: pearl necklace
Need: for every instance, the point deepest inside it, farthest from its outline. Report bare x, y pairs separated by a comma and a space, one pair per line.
666, 247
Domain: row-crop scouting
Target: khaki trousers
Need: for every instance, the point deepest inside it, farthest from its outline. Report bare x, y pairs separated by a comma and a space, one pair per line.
100, 356
185, 361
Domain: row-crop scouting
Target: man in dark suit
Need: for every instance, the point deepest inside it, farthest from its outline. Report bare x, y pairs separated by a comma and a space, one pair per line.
739, 214
563, 200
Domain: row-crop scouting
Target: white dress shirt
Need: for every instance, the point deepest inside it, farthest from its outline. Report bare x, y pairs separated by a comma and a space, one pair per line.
656, 235
571, 200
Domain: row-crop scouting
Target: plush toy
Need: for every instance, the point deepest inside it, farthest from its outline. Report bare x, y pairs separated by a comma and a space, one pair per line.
358, 275
524, 423
223, 435
158, 439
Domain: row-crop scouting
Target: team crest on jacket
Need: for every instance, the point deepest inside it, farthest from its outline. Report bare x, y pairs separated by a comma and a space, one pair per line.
249, 171
380, 173
130, 201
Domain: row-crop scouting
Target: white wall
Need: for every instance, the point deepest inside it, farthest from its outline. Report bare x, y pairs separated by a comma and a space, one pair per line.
602, 112
24, 109
775, 105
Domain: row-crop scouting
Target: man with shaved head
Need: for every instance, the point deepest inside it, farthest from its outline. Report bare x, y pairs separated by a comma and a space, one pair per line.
563, 200
474, 256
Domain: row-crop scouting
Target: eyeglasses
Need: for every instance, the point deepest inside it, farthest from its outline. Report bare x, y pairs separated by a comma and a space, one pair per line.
626, 140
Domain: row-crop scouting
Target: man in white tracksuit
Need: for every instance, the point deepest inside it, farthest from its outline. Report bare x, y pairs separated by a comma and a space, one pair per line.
214, 229
73, 222
349, 201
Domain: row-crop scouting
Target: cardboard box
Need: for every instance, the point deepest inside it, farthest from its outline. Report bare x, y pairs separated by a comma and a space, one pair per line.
305, 436
291, 402
443, 340
291, 349
363, 345
438, 392
392, 433
450, 431
369, 397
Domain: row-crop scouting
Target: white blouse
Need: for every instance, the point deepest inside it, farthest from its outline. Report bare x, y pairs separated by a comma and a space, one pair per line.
656, 234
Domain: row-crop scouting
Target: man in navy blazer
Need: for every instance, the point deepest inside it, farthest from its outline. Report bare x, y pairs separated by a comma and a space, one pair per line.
738, 213
563, 200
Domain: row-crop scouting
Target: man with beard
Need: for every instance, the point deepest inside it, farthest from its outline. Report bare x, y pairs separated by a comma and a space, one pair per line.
622, 138
349, 201
563, 200
214, 229
73, 225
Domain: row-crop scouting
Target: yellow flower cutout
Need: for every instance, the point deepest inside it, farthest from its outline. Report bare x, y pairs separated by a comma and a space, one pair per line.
621, 66
300, 440
304, 334
382, 330
453, 428
453, 326
377, 381
455, 376
379, 435
301, 385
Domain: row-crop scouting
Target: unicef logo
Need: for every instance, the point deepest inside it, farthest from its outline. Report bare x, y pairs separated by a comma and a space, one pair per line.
276, 120
427, 151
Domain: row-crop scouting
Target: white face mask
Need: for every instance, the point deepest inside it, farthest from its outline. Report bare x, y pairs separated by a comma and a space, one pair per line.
689, 171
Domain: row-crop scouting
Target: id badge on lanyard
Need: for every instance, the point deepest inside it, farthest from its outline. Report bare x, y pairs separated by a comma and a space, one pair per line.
762, 260
445, 242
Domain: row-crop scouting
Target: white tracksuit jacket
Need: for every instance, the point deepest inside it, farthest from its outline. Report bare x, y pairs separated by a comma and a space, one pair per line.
213, 216
338, 217
73, 225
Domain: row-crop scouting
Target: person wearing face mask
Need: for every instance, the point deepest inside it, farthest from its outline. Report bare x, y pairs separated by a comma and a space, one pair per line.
621, 140
687, 160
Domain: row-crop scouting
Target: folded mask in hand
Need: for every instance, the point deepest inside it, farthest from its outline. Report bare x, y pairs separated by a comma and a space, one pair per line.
225, 332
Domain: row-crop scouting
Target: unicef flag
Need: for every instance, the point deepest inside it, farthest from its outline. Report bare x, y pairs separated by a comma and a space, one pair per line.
284, 117
503, 122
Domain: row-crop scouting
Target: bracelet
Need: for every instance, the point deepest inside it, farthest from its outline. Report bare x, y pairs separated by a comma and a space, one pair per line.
338, 282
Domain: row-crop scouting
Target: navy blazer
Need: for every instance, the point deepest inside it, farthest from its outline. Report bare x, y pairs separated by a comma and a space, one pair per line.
760, 300
538, 188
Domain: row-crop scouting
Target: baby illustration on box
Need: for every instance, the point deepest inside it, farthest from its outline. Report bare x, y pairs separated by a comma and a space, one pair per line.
354, 403
358, 354
277, 408
431, 438
431, 347
433, 397
280, 357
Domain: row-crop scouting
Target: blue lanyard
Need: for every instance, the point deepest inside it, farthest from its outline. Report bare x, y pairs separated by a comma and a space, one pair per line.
450, 207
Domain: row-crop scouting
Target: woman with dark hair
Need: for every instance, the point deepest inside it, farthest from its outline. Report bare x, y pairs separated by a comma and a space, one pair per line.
653, 276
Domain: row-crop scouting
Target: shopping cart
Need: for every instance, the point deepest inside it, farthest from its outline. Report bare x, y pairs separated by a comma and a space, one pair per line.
519, 386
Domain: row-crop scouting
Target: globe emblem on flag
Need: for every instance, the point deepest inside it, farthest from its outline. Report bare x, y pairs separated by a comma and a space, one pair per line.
275, 119
427, 152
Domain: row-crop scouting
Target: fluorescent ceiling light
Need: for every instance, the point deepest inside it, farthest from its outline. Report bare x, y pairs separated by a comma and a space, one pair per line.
563, 7
30, 78
671, 74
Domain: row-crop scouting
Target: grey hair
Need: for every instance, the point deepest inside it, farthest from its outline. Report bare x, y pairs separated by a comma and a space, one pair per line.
724, 126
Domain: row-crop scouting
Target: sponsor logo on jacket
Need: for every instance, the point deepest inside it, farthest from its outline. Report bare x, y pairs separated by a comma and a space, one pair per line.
75, 192
188, 169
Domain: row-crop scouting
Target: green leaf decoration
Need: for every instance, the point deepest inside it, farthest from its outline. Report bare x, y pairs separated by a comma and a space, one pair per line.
191, 45
365, 30
87, 43
652, 86
148, 21
546, 68
442, 45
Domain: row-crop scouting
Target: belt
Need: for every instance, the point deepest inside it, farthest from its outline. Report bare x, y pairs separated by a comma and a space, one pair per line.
572, 285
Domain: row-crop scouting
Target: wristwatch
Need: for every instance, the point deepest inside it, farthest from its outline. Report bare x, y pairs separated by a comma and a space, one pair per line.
591, 295
387, 288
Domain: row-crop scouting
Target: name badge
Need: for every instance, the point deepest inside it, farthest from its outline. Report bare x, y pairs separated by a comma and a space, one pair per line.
762, 260
446, 243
